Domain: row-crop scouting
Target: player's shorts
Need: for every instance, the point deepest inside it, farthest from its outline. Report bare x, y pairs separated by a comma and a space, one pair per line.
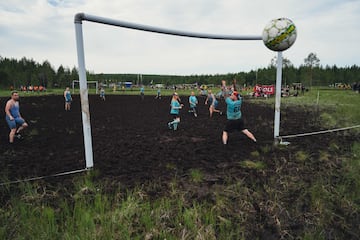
215, 105
232, 125
174, 115
16, 122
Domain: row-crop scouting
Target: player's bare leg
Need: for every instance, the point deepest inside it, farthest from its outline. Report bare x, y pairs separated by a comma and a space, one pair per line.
249, 134
224, 137
21, 128
12, 135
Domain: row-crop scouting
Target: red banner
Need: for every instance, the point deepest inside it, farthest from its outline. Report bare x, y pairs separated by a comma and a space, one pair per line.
265, 89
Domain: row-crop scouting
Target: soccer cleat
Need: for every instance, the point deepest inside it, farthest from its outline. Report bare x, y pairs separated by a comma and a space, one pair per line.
169, 126
18, 136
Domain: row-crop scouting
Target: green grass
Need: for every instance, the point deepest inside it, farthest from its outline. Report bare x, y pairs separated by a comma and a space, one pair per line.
339, 107
108, 91
196, 175
258, 165
95, 215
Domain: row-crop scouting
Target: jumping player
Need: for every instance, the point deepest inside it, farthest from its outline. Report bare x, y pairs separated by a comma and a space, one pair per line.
234, 116
14, 118
193, 103
174, 111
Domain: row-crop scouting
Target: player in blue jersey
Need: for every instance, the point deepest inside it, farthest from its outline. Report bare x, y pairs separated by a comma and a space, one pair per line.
158, 94
102, 94
213, 103
193, 103
142, 92
68, 99
13, 117
174, 111
234, 116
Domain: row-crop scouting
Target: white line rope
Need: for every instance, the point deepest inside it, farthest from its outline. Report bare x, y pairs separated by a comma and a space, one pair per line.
319, 132
43, 177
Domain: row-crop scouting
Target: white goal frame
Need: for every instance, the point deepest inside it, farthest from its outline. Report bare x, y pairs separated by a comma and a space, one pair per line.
79, 17
88, 82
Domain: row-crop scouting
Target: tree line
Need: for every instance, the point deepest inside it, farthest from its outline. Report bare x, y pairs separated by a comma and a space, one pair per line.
25, 72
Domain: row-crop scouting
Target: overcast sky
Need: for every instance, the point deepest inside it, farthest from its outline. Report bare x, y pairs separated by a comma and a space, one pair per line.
45, 30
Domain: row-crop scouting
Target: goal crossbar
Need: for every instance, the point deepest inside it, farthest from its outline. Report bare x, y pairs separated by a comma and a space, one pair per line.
91, 18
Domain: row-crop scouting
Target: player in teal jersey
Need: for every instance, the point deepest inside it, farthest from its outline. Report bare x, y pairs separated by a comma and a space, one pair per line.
174, 111
234, 117
142, 92
158, 94
193, 103
102, 94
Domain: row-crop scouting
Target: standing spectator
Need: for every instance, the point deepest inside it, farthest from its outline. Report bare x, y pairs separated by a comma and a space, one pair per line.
234, 117
302, 89
356, 87
13, 117
68, 99
193, 103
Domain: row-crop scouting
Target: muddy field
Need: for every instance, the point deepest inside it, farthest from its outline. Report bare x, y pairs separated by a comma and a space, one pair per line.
133, 147
132, 144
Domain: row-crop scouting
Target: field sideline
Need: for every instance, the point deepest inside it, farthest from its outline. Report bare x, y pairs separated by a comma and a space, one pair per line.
345, 102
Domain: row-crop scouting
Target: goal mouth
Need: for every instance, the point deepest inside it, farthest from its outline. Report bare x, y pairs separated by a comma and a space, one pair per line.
77, 83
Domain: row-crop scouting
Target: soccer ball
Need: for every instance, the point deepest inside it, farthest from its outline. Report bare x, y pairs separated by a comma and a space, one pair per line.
279, 34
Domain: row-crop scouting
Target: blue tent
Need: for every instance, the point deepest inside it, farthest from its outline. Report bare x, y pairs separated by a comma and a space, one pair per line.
128, 84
